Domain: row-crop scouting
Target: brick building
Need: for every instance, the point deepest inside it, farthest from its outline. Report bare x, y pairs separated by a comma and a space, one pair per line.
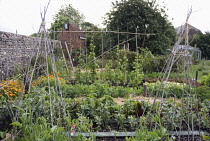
74, 40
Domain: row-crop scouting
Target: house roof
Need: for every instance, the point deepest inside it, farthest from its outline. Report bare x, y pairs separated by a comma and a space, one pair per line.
76, 28
192, 30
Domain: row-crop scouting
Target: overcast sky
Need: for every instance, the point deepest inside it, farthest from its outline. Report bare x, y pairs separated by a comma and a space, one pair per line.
23, 16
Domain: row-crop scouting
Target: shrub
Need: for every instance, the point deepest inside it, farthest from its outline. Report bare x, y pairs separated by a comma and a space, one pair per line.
205, 72
205, 80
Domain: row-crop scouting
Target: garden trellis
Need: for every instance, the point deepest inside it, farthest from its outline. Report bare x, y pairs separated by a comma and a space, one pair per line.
188, 95
49, 108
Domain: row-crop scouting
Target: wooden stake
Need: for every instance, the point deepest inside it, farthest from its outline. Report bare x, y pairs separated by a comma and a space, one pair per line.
196, 76
145, 90
64, 59
69, 55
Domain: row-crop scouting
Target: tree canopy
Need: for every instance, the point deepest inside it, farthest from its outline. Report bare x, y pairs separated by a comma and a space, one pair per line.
65, 15
203, 43
143, 17
68, 14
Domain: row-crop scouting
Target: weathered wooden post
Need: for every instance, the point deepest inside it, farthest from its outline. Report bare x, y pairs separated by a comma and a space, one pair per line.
145, 90
196, 76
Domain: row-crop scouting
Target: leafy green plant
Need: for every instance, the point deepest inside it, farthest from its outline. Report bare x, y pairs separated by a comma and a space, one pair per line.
123, 69
143, 134
168, 89
37, 130
2, 135
82, 124
121, 118
98, 110
133, 121
205, 114
206, 138
81, 77
137, 74
92, 66
205, 80
203, 92
109, 73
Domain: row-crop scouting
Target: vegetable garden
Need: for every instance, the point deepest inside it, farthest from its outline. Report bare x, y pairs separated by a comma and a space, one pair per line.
54, 101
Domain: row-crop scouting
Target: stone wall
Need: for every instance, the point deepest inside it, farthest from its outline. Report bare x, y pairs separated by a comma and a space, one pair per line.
16, 51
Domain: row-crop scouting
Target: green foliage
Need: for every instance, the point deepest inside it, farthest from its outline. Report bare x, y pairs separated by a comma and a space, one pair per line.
40, 119
5, 114
96, 89
206, 138
127, 65
146, 60
51, 110
92, 63
67, 14
205, 113
143, 134
203, 93
81, 77
205, 80
154, 63
150, 63
37, 129
122, 69
95, 38
203, 43
168, 89
143, 16
99, 110
203, 68
203, 65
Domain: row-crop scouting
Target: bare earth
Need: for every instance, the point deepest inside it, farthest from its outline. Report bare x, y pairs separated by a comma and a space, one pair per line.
121, 100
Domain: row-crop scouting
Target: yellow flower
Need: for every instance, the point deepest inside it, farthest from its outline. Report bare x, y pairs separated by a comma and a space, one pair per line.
11, 87
11, 94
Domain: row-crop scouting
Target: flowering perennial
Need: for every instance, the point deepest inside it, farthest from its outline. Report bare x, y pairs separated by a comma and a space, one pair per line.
11, 88
43, 80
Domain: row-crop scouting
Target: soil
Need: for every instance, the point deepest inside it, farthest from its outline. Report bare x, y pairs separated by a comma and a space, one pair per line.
120, 100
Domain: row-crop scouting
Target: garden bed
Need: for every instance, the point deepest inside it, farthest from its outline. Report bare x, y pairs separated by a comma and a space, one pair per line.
120, 136
179, 80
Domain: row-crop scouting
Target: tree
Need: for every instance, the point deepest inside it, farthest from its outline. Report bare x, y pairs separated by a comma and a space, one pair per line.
203, 43
143, 17
65, 15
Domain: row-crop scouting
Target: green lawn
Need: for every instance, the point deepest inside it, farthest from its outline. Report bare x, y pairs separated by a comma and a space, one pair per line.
203, 68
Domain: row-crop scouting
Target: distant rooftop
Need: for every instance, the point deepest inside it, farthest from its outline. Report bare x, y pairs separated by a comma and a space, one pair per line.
192, 30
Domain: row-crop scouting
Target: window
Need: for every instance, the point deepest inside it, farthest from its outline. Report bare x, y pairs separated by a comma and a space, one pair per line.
66, 26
